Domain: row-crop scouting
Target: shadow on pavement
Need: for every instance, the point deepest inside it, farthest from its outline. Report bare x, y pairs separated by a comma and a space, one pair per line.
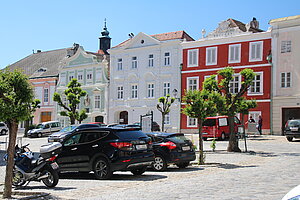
262, 154
35, 187
233, 166
116, 176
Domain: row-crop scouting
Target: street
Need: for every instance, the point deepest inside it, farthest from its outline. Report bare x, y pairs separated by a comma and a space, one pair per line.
267, 171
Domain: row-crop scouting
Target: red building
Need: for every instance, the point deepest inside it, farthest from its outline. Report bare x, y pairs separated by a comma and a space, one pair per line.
231, 44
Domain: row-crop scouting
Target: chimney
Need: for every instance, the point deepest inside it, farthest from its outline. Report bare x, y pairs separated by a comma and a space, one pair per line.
38, 51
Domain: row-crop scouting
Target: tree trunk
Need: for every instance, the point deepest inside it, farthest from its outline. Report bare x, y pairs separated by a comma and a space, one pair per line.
162, 122
201, 156
13, 129
233, 145
26, 126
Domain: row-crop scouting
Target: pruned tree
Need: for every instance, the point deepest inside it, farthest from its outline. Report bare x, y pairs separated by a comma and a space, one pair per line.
33, 106
199, 105
164, 104
16, 97
73, 94
234, 99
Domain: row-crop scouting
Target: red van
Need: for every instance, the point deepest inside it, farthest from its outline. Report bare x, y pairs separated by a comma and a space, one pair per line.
218, 127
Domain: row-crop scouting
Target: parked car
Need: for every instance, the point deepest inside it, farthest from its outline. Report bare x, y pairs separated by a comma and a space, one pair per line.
59, 136
106, 150
171, 148
45, 128
292, 129
218, 127
3, 128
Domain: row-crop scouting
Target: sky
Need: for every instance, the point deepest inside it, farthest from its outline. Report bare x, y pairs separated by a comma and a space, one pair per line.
31, 25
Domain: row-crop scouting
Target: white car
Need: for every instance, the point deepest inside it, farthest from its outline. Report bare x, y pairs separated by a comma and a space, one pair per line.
45, 128
294, 194
3, 128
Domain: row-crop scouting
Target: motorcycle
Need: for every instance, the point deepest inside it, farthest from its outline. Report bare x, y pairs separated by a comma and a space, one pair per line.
27, 169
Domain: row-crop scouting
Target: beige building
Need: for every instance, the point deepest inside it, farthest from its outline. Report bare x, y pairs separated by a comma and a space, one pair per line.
286, 71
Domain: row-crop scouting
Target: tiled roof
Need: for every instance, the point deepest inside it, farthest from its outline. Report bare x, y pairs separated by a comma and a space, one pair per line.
242, 26
41, 64
284, 19
165, 36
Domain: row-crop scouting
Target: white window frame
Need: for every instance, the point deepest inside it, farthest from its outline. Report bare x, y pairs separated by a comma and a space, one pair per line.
189, 120
46, 95
234, 82
71, 77
261, 83
258, 55
210, 51
167, 58
167, 119
235, 50
150, 90
119, 64
167, 88
192, 78
193, 55
134, 91
134, 62
208, 76
80, 76
97, 101
255, 115
286, 46
89, 76
150, 60
285, 83
120, 92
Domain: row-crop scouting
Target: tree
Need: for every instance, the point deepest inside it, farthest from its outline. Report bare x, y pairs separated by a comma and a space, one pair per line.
16, 96
199, 105
73, 94
234, 101
32, 108
164, 104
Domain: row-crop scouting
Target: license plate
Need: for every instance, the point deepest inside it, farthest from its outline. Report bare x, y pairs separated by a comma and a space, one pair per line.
294, 128
141, 147
187, 148
54, 165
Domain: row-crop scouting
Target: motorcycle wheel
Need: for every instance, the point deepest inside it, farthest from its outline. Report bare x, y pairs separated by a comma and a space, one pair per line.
52, 179
18, 179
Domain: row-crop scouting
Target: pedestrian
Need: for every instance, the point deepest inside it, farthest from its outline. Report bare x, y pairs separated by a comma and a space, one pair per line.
259, 125
251, 120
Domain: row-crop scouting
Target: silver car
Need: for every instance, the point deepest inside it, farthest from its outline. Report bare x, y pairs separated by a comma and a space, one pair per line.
45, 128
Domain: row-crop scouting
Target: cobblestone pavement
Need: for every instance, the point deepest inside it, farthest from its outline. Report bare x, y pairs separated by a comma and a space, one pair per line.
267, 171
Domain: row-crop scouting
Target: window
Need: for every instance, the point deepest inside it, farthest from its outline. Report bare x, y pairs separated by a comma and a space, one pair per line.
151, 60
73, 140
208, 76
89, 76
167, 119
134, 91
257, 84
191, 122
255, 115
286, 79
71, 77
79, 77
167, 59
234, 53
211, 56
167, 88
120, 92
234, 84
150, 90
192, 83
46, 95
255, 51
193, 58
286, 46
97, 101
120, 65
134, 62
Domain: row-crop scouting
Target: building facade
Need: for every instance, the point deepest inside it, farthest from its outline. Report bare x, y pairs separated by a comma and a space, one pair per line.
144, 68
232, 44
286, 71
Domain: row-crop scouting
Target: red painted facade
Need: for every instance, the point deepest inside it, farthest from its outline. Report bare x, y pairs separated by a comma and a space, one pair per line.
202, 70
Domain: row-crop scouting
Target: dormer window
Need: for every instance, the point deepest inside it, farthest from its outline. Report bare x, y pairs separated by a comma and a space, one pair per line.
42, 69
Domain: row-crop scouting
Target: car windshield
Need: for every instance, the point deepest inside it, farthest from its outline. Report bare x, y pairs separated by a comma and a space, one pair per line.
294, 123
67, 129
130, 134
40, 126
178, 138
209, 122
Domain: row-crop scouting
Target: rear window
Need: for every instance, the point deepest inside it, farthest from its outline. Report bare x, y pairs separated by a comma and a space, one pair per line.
294, 123
179, 138
130, 134
209, 122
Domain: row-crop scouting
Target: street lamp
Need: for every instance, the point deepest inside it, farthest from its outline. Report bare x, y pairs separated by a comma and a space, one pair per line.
175, 93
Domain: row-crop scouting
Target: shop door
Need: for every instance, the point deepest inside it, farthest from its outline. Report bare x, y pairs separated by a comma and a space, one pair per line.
45, 116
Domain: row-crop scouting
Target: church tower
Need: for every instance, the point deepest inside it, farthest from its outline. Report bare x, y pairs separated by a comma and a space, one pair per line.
104, 39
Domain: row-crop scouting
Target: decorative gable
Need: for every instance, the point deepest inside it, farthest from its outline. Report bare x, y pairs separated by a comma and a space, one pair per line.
141, 40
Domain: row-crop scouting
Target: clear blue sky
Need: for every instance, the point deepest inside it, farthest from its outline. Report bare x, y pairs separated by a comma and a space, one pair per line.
54, 24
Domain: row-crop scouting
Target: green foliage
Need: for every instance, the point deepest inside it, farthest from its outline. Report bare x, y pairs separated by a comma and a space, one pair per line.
213, 144
73, 94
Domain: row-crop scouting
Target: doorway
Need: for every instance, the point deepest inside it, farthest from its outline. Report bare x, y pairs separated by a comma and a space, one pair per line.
45, 116
99, 119
289, 113
123, 117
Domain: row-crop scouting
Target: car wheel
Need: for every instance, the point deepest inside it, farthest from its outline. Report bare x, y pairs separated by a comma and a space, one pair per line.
102, 169
3, 132
290, 139
183, 164
223, 137
138, 171
159, 163
39, 135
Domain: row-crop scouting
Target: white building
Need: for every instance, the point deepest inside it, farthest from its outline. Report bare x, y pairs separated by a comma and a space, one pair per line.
144, 68
286, 70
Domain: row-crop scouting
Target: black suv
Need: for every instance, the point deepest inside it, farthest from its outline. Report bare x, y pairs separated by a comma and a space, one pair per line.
292, 129
105, 150
171, 148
